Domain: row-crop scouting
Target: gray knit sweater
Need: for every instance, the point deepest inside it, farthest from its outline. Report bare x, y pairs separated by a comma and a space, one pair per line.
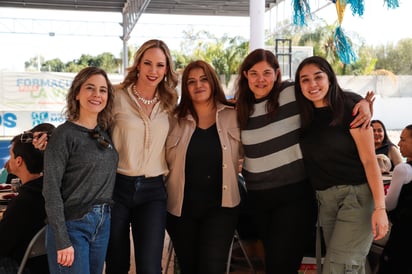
78, 173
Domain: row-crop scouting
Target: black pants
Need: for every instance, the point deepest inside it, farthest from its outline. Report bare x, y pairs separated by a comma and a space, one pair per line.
140, 203
202, 240
396, 254
285, 220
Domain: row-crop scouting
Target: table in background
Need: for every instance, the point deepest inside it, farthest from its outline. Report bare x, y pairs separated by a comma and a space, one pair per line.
386, 178
4, 202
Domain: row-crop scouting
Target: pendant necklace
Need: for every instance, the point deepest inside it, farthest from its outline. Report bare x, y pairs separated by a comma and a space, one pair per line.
144, 100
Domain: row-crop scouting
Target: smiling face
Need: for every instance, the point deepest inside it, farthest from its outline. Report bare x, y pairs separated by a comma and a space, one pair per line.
198, 86
261, 78
152, 69
314, 84
378, 134
93, 95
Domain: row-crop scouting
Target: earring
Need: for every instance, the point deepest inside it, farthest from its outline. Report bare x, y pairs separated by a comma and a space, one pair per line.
137, 74
165, 78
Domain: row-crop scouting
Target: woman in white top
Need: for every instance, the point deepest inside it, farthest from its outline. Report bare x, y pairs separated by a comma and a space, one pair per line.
143, 102
399, 205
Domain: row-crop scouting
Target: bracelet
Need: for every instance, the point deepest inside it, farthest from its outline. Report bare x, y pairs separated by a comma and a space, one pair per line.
380, 207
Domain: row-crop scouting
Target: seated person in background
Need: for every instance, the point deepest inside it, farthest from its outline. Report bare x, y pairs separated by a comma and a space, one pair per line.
383, 145
396, 257
25, 214
32, 136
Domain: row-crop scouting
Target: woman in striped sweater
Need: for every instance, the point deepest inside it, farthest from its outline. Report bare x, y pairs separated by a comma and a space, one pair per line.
280, 197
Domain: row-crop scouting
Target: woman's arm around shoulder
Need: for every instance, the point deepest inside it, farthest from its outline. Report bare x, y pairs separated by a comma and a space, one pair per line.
362, 111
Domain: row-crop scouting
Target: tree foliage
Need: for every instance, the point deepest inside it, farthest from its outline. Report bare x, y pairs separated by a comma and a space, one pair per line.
395, 58
106, 61
226, 53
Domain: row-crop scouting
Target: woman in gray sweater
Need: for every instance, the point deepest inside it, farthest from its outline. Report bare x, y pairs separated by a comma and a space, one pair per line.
79, 176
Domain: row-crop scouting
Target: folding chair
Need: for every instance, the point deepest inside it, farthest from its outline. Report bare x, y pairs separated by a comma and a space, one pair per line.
36, 247
229, 259
169, 256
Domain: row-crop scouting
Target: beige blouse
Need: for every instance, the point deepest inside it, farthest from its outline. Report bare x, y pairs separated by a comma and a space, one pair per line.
139, 140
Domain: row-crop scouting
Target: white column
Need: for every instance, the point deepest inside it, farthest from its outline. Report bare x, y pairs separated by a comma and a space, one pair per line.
257, 24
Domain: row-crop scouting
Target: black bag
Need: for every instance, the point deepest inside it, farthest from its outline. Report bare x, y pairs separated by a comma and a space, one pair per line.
246, 226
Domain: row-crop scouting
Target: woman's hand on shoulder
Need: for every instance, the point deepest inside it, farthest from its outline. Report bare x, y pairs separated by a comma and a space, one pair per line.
363, 115
40, 140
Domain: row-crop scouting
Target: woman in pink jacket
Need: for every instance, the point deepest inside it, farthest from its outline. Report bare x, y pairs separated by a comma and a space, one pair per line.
203, 153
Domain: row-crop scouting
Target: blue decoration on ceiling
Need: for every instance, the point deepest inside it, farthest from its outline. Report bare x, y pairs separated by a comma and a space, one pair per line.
343, 47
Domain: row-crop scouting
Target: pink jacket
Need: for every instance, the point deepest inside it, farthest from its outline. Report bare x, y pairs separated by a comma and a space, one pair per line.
176, 147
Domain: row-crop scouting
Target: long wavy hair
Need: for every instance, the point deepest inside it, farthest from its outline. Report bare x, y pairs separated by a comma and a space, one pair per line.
244, 96
335, 97
72, 111
186, 104
166, 89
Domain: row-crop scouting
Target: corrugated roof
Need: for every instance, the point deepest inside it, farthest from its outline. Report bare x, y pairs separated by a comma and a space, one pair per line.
181, 7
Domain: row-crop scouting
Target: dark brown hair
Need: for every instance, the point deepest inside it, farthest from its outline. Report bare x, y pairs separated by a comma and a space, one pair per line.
386, 139
334, 99
32, 157
244, 96
186, 105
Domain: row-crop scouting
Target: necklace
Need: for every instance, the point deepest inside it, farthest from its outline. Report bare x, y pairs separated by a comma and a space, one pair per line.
142, 99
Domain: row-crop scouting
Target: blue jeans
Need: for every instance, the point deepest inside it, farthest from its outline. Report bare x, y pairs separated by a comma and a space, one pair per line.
140, 203
89, 236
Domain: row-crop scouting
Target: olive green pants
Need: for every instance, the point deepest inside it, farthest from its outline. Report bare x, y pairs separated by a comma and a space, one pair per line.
345, 215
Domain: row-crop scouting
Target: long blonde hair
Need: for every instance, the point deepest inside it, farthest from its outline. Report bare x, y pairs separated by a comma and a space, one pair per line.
167, 88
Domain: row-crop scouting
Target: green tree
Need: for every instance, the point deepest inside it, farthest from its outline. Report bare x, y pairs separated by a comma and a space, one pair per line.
224, 53
108, 62
34, 63
55, 65
396, 58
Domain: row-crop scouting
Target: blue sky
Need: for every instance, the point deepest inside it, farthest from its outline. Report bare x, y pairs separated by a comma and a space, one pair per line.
378, 26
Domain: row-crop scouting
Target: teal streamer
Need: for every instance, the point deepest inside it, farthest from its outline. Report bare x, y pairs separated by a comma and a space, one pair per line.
356, 6
301, 10
392, 4
343, 47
